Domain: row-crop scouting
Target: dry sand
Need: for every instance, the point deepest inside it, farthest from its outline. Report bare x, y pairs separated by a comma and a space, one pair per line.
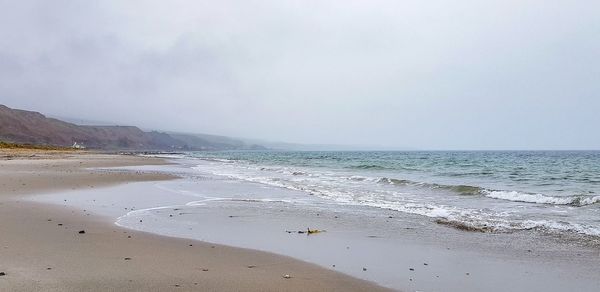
41, 248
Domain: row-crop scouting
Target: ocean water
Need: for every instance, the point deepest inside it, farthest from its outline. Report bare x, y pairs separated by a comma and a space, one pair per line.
489, 191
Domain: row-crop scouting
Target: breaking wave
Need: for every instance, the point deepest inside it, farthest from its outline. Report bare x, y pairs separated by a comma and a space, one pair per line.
514, 196
577, 201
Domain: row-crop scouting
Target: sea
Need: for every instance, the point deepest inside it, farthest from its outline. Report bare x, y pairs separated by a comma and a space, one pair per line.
489, 191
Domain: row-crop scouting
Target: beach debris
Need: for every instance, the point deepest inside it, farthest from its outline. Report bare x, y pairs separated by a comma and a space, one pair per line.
48, 268
49, 220
286, 276
204, 270
251, 266
468, 274
191, 245
333, 266
314, 231
364, 269
425, 264
127, 259
81, 232
308, 231
176, 285
128, 236
60, 224
411, 269
2, 274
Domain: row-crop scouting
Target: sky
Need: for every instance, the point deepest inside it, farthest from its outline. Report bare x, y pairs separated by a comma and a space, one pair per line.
395, 74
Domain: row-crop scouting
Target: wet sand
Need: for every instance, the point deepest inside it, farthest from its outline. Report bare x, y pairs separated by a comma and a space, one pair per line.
43, 248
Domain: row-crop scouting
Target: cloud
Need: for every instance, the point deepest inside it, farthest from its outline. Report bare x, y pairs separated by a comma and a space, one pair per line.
505, 74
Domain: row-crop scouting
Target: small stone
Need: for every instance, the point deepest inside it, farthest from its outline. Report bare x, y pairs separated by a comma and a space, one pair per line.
48, 268
2, 274
364, 269
81, 231
411, 269
204, 270
128, 236
467, 274
286, 276
176, 285
251, 266
127, 259
191, 245
425, 264
60, 224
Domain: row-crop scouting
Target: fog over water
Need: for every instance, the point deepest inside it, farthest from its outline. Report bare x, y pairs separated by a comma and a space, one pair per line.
399, 74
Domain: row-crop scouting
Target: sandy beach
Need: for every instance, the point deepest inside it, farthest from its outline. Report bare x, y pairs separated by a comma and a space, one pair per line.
54, 248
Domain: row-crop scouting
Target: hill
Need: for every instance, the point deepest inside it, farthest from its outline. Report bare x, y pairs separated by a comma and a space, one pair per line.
21, 126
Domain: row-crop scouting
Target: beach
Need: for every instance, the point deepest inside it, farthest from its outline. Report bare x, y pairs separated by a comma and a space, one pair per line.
45, 247
233, 203
160, 222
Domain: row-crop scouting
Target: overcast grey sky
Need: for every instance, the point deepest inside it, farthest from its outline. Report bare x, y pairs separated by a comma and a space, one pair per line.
418, 74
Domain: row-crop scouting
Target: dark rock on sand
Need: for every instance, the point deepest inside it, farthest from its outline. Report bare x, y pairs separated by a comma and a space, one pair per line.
82, 232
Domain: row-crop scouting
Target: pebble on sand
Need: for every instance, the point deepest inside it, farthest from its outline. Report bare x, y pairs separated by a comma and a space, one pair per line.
127, 259
286, 276
2, 274
81, 231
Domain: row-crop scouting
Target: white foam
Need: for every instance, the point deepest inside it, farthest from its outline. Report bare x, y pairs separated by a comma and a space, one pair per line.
541, 199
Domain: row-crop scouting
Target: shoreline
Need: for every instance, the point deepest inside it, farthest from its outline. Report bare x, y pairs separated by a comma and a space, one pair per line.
39, 254
394, 249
